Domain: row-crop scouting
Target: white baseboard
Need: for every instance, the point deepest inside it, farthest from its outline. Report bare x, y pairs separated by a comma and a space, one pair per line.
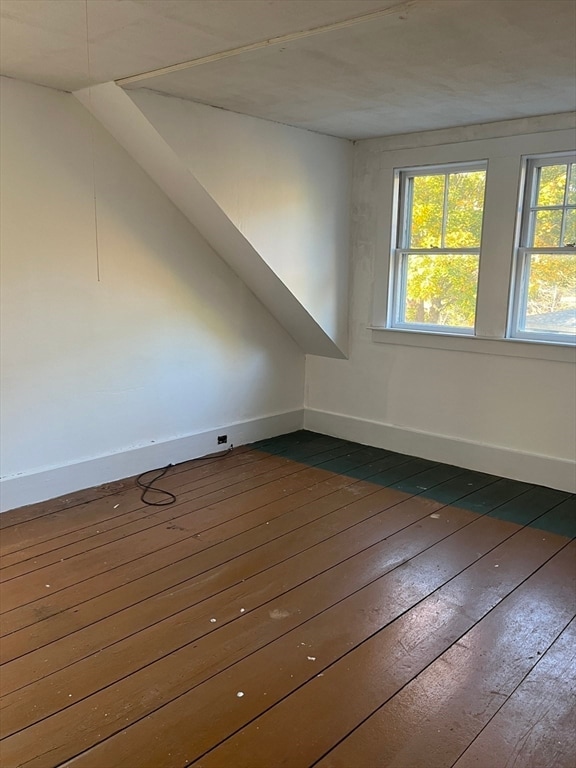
493, 459
20, 490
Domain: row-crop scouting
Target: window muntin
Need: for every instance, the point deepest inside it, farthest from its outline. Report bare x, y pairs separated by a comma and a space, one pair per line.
544, 290
436, 259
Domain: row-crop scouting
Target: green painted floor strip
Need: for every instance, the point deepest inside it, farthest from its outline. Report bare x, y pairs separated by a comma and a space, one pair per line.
510, 500
560, 520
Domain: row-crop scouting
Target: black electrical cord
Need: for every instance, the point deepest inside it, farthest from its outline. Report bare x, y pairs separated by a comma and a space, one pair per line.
148, 486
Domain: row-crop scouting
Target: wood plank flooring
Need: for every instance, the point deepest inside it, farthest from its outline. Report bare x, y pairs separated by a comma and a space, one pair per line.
306, 601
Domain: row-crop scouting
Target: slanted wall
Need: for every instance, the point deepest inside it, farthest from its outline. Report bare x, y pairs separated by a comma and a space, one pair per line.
287, 190
105, 378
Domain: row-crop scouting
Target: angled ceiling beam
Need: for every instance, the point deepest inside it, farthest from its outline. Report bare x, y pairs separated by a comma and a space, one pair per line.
112, 107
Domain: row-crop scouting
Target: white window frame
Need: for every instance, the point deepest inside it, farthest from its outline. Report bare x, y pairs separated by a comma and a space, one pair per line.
504, 147
525, 227
401, 250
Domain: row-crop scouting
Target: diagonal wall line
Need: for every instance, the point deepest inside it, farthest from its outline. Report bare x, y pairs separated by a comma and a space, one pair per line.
128, 125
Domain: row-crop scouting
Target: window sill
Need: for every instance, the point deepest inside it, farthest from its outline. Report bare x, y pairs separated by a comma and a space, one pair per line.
535, 350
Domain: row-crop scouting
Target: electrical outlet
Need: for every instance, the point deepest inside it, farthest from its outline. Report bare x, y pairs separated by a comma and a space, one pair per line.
222, 439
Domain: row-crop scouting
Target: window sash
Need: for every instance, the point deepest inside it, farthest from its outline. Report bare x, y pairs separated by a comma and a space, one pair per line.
527, 220
406, 176
520, 298
530, 207
397, 303
401, 247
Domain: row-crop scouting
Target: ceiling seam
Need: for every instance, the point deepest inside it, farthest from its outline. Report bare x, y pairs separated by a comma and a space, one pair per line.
270, 42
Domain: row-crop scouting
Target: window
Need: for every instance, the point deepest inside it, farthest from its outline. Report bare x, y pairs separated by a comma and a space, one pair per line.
544, 291
436, 257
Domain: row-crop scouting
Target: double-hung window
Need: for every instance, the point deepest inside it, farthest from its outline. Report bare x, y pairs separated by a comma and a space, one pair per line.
435, 261
544, 288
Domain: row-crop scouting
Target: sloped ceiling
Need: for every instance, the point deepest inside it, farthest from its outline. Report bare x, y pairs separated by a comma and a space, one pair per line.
349, 68
45, 41
346, 68
113, 107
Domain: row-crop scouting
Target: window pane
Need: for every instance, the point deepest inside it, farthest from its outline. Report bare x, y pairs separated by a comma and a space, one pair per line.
547, 229
572, 185
465, 207
551, 300
570, 227
552, 185
440, 289
427, 210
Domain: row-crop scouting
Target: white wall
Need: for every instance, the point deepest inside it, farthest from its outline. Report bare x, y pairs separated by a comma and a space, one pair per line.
508, 415
167, 346
287, 190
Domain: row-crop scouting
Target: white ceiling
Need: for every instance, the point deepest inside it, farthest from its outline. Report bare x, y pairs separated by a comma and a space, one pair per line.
423, 64
44, 41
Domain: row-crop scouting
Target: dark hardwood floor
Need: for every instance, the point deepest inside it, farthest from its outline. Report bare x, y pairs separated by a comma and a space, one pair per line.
305, 602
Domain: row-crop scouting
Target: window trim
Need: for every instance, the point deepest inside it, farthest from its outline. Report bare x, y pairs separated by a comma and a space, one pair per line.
400, 246
376, 226
524, 348
522, 250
